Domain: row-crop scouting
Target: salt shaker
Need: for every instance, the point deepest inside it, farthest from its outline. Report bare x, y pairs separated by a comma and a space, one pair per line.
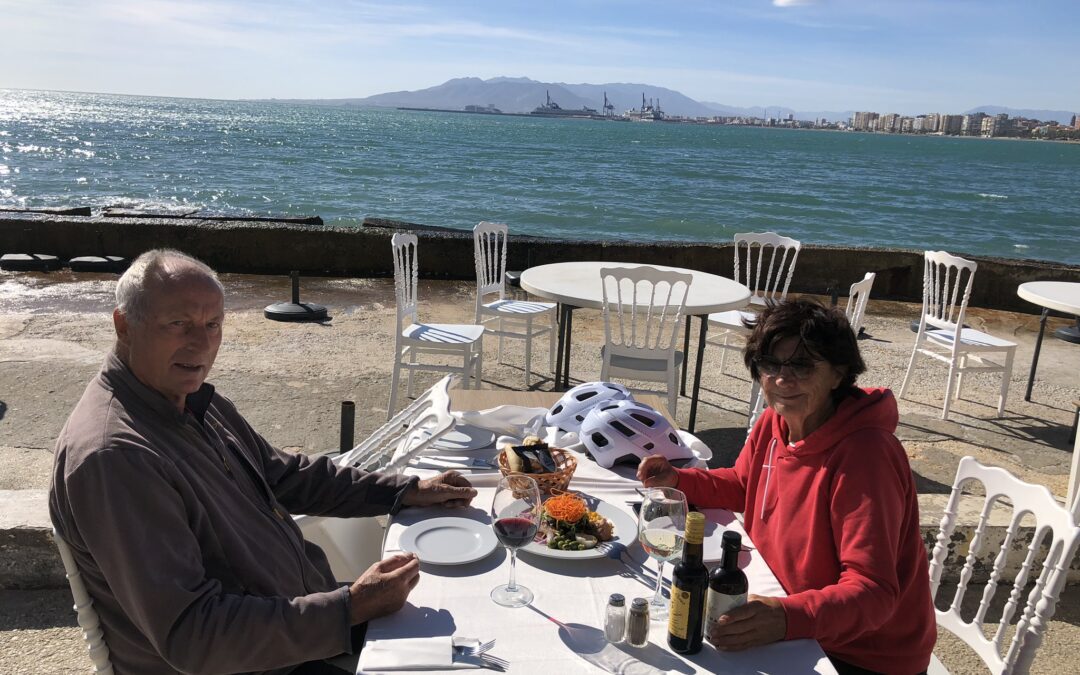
637, 623
615, 618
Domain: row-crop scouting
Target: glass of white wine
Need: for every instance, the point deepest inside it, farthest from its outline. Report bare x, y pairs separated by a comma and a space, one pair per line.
661, 526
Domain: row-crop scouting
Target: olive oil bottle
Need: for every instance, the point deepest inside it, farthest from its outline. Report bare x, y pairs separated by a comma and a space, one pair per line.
727, 583
689, 586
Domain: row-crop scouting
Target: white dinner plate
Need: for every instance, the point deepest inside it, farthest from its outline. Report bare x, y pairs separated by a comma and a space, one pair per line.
448, 541
625, 533
465, 437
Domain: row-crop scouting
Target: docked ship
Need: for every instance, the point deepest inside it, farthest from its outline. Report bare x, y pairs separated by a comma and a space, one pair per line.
552, 109
647, 113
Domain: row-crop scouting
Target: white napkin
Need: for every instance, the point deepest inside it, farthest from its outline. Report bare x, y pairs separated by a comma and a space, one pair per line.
430, 653
508, 420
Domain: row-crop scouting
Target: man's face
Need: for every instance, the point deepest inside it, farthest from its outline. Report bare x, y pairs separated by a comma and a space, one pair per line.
173, 347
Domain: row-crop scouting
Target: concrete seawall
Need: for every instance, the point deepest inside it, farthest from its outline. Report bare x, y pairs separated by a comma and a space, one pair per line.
265, 246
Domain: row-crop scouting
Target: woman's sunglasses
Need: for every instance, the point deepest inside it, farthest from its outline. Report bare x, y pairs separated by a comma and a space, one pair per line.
799, 368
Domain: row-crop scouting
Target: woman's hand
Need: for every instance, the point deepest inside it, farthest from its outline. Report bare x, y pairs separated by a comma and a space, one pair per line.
760, 621
656, 471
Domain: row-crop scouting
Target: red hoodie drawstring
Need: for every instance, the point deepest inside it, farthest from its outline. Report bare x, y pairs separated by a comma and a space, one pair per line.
768, 467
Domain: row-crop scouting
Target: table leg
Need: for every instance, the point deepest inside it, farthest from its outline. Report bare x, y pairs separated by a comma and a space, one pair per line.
697, 371
564, 347
1072, 500
1035, 357
560, 339
686, 356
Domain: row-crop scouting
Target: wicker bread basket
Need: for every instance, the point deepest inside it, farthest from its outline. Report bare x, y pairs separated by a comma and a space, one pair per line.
558, 480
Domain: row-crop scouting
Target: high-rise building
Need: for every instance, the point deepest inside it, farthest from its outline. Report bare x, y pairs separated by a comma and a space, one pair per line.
1076, 122
972, 124
951, 124
907, 125
932, 123
863, 121
889, 123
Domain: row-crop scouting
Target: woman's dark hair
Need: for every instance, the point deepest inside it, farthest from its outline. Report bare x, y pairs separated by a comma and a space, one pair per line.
824, 331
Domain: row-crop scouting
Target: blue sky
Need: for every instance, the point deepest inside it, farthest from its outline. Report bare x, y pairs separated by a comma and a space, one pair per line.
906, 56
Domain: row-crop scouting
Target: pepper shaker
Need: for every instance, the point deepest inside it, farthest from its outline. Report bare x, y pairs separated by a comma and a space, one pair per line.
637, 623
615, 618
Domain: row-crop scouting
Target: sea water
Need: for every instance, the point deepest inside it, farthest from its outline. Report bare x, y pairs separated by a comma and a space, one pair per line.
579, 179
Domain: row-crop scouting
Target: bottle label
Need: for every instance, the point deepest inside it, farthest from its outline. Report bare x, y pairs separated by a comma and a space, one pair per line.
718, 605
679, 616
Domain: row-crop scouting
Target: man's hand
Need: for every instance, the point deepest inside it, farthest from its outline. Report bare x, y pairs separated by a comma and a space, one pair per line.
760, 621
656, 471
449, 488
383, 587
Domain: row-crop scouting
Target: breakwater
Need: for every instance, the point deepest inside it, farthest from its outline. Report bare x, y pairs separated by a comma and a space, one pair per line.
276, 246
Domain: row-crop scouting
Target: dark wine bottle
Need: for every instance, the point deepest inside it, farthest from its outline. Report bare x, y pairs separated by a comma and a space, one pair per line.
689, 586
727, 583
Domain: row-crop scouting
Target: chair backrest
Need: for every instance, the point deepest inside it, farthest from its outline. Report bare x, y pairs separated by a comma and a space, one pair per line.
764, 263
405, 269
489, 249
390, 447
643, 307
87, 616
1055, 532
858, 296
946, 289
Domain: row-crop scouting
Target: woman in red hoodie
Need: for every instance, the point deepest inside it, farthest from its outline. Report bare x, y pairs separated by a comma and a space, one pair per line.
828, 499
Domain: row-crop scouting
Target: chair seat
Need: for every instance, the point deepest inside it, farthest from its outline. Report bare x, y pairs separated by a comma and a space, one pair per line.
645, 365
517, 307
732, 320
445, 333
970, 339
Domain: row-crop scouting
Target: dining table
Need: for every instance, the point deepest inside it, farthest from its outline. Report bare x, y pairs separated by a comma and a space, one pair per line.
1058, 296
562, 629
575, 285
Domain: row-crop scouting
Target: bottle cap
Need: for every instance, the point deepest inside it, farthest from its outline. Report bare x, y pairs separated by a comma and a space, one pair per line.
617, 600
639, 604
695, 527
732, 540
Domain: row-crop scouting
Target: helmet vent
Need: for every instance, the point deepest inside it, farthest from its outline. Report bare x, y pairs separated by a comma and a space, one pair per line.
649, 446
673, 438
622, 428
644, 419
599, 439
586, 395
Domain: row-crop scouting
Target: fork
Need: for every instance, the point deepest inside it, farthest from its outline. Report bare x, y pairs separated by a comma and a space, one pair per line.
474, 650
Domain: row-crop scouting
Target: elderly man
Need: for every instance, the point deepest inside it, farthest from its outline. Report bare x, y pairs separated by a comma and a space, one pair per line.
177, 511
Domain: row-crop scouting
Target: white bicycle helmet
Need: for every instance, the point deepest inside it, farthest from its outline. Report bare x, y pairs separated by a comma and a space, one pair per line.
570, 411
628, 431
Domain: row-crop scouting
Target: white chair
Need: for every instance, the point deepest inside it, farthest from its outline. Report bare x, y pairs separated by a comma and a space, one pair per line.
946, 289
352, 545
764, 263
858, 296
517, 319
1055, 532
414, 340
643, 311
87, 616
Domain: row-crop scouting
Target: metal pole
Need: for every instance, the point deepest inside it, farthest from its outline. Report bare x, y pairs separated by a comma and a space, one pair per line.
348, 425
295, 275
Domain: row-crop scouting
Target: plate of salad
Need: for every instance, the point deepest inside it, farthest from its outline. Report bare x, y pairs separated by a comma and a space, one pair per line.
573, 524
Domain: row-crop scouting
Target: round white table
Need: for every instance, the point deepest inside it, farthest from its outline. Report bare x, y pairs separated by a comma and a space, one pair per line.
1059, 296
1064, 297
577, 284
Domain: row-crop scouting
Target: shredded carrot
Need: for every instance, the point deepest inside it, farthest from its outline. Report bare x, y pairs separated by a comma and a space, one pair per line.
567, 507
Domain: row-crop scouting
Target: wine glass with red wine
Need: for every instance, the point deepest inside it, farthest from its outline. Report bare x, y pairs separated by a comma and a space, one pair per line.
515, 517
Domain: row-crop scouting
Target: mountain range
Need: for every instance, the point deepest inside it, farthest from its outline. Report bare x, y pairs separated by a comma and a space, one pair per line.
522, 95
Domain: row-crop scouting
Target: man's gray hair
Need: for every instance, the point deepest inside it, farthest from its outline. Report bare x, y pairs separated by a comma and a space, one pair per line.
157, 265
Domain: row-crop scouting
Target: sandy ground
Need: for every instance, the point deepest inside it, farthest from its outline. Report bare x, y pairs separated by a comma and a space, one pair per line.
289, 379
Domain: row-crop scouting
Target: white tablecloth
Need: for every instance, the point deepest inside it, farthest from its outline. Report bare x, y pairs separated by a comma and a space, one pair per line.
562, 630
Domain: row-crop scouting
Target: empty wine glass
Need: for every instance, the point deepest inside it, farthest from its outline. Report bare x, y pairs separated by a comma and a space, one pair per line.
515, 517
661, 526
